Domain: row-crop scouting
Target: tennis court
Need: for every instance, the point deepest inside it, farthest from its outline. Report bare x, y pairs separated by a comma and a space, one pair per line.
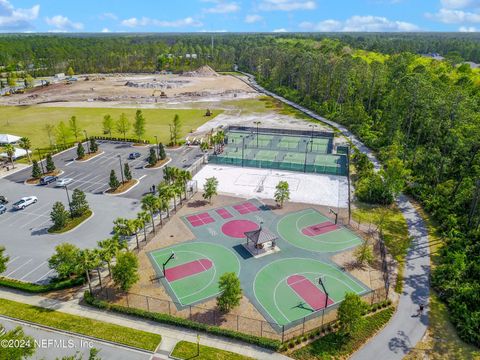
266, 155
192, 275
295, 158
289, 289
310, 230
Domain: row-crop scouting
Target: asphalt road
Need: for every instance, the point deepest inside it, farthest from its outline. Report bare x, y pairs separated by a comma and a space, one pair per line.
51, 344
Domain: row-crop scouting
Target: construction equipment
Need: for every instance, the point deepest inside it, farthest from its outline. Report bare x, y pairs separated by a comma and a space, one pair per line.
162, 94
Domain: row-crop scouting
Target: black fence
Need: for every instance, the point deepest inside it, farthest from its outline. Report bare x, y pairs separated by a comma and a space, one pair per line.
276, 131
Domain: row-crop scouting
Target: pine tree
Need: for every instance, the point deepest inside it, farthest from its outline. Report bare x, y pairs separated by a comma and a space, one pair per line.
113, 183
50, 164
161, 151
59, 215
152, 158
93, 145
126, 172
80, 151
36, 172
79, 204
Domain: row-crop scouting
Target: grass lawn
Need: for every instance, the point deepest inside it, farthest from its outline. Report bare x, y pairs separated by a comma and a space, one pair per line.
188, 350
395, 231
337, 346
30, 121
71, 223
442, 341
80, 325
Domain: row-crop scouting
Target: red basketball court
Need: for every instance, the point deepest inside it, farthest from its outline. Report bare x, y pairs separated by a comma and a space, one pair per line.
311, 294
188, 269
319, 229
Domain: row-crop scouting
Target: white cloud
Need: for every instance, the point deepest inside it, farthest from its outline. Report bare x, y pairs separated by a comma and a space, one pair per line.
105, 30
287, 5
253, 18
223, 8
460, 4
62, 23
145, 21
108, 15
16, 19
450, 16
360, 23
282, 30
467, 29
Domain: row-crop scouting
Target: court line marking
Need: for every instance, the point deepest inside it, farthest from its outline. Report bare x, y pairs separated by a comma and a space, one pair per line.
44, 275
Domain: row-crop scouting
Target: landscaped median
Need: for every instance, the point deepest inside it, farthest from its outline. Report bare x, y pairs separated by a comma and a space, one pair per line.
38, 288
71, 223
187, 350
80, 325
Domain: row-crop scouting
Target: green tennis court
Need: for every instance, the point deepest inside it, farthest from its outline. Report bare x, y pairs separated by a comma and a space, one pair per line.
286, 143
193, 274
289, 289
327, 160
265, 155
294, 158
310, 230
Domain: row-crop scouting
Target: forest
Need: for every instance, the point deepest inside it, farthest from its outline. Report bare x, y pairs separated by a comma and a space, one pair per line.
422, 116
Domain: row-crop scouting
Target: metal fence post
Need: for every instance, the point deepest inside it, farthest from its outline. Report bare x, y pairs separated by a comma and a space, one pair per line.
261, 328
190, 317
237, 322
303, 327
169, 312
148, 305
283, 333
127, 301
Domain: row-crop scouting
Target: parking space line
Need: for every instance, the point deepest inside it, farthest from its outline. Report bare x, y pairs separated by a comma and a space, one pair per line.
15, 258
31, 221
44, 275
24, 276
21, 266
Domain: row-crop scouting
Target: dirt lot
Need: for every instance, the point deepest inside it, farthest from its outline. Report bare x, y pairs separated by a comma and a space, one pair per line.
105, 90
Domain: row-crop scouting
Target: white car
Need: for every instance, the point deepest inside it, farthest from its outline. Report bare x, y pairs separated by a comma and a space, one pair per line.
63, 182
24, 202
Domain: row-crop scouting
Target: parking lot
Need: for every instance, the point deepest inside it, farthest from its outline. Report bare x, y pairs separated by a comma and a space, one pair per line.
24, 233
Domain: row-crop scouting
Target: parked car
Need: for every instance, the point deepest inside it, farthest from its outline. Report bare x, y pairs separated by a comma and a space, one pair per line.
3, 208
3, 200
24, 202
63, 182
47, 180
134, 155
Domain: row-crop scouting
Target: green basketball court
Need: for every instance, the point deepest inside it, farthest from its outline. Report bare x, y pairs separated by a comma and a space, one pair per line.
192, 275
289, 289
310, 230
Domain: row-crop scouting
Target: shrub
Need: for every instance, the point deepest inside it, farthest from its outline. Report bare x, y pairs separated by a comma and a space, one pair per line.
172, 320
55, 284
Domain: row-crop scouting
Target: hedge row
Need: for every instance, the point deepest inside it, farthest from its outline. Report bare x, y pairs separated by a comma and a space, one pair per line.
111, 138
172, 320
37, 288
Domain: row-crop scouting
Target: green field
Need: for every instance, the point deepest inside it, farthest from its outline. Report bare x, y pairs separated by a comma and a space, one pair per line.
30, 121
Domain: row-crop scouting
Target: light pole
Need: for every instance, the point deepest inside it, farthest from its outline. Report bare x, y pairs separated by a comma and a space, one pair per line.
257, 123
306, 152
121, 167
86, 140
312, 126
40, 159
158, 148
68, 198
243, 147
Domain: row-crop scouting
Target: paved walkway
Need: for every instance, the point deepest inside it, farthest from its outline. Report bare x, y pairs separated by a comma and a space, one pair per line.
170, 334
405, 329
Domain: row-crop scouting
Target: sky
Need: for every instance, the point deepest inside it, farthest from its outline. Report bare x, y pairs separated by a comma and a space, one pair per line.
238, 15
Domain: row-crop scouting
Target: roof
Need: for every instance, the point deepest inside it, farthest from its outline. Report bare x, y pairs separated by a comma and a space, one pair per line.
260, 236
8, 138
18, 154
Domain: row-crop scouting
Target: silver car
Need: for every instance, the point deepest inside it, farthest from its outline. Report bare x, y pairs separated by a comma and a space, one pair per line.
63, 182
24, 202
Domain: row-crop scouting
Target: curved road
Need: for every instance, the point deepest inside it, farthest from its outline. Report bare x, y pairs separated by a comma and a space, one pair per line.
405, 328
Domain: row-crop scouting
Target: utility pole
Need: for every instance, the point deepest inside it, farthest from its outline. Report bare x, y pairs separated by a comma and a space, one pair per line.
121, 167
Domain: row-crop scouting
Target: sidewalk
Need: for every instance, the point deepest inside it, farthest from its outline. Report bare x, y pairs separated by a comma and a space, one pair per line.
170, 334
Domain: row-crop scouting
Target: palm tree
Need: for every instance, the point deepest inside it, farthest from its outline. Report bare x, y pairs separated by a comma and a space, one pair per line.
26, 145
98, 255
185, 177
144, 217
163, 205
10, 150
88, 261
108, 249
167, 193
150, 204
120, 227
132, 228
177, 189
